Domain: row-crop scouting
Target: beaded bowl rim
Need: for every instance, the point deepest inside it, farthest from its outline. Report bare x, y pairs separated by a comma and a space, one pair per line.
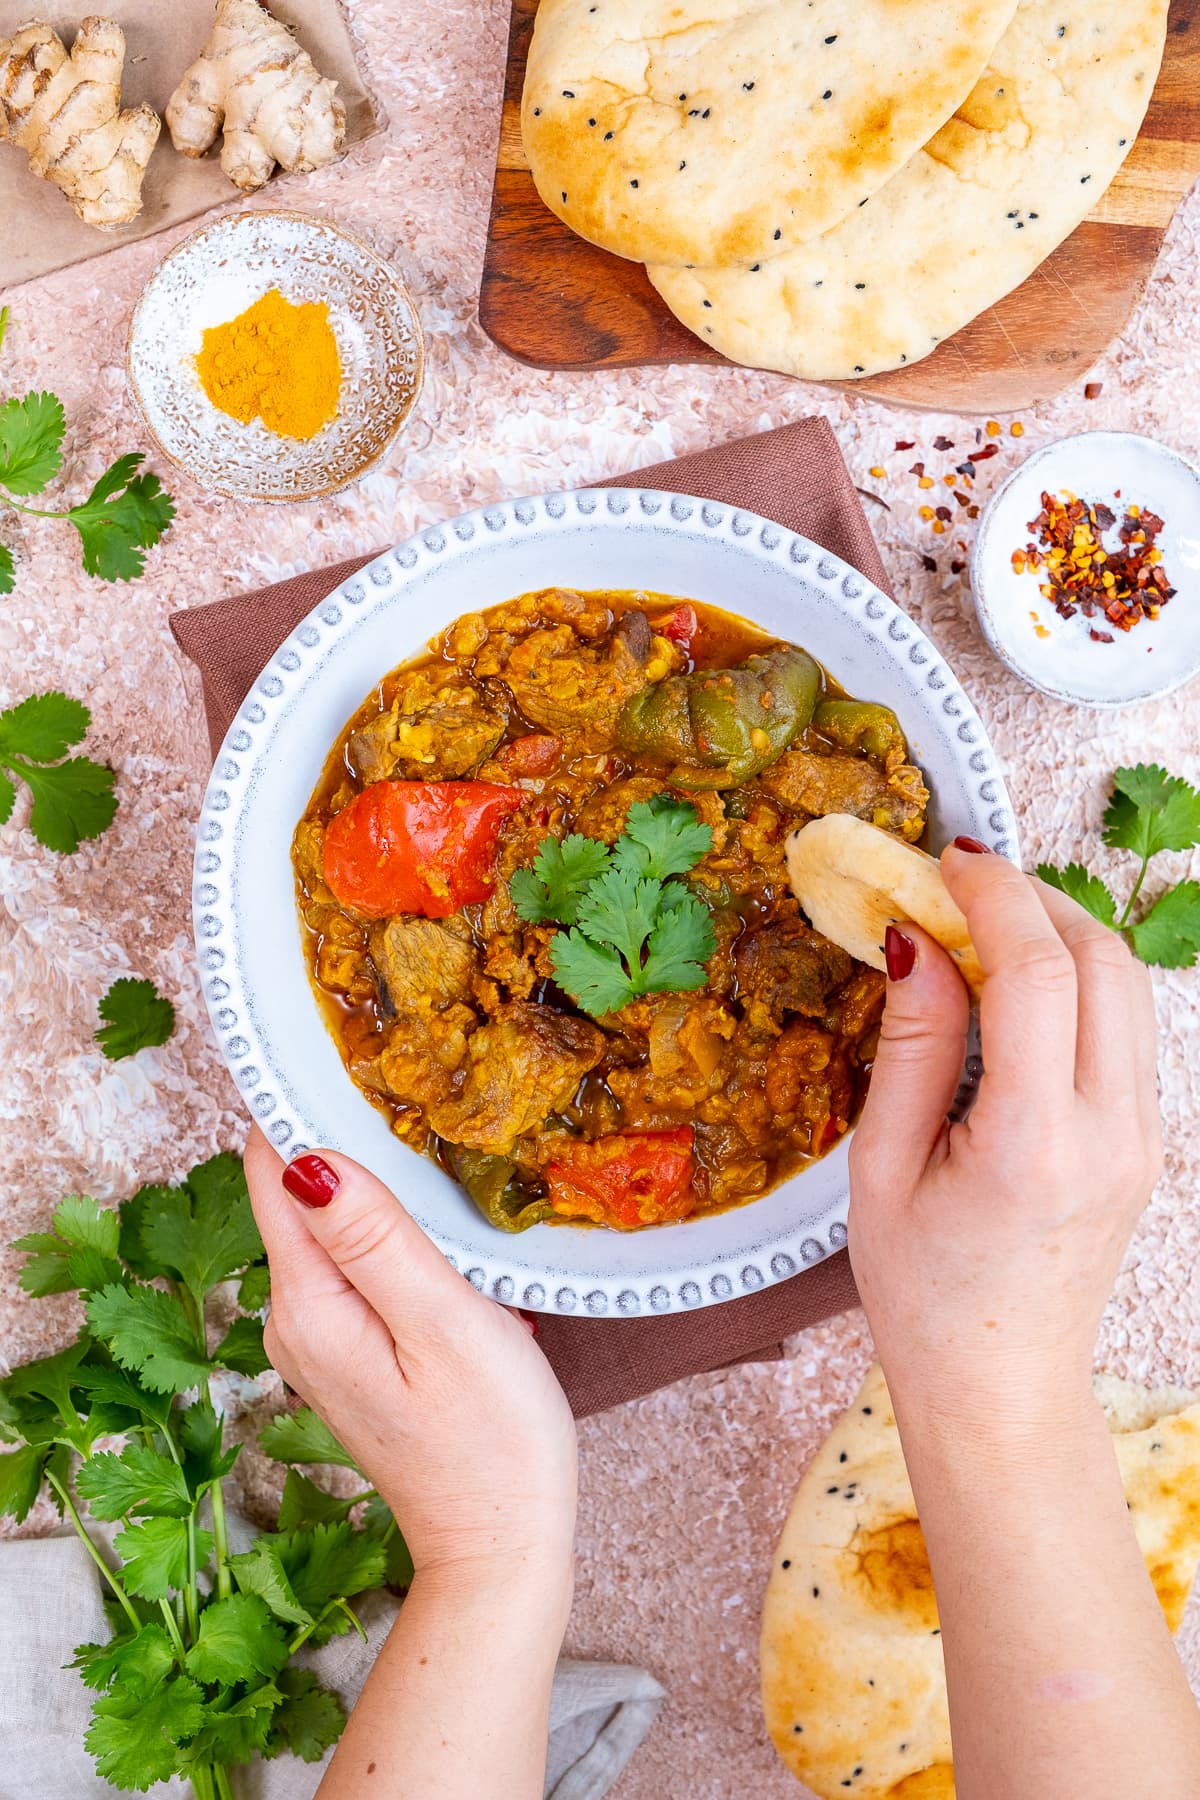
234, 221
669, 1284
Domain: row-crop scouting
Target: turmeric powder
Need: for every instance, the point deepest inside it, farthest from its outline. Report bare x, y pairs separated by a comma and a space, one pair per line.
277, 362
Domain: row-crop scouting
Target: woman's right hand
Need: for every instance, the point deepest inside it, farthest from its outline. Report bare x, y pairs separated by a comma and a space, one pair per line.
985, 1251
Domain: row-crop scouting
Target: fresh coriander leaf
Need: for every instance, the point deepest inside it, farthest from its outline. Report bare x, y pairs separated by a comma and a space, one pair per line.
114, 1387
681, 943
133, 1214
233, 1734
89, 1270
303, 1437
141, 1661
8, 581
46, 1271
52, 1378
620, 910
72, 801
139, 1480
155, 1556
43, 727
304, 1503
238, 1639
325, 1562
20, 1480
552, 890
83, 1221
8, 792
134, 1736
1151, 811
241, 1349
124, 516
378, 1522
255, 1289
595, 978
204, 1231
82, 1255
204, 1461
31, 434
148, 1332
1089, 890
260, 1570
309, 1720
1169, 934
136, 1017
3, 323
662, 837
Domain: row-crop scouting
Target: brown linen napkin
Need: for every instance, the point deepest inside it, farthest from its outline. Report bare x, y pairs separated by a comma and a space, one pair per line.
796, 476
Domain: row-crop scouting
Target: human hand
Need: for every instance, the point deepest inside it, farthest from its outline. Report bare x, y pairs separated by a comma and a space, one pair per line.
985, 1251
441, 1396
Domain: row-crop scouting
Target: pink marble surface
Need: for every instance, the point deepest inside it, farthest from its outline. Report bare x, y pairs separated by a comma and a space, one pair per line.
684, 1492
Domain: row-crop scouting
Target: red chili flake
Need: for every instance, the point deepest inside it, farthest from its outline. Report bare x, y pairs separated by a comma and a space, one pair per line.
957, 566
1078, 573
905, 444
943, 443
927, 562
963, 499
972, 512
964, 468
978, 456
944, 513
1092, 390
917, 469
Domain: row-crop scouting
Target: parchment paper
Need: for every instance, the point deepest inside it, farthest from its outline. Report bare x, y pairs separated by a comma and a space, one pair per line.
39, 231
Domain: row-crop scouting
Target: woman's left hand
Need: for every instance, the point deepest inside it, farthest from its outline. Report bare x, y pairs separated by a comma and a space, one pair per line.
441, 1396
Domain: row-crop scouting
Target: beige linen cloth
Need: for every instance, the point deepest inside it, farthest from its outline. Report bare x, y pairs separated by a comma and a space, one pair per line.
50, 1602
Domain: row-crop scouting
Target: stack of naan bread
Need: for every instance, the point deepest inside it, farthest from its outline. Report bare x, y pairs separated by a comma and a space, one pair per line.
831, 189
854, 1687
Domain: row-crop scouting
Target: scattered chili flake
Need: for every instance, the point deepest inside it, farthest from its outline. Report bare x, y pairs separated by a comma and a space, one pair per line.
918, 468
1078, 574
927, 562
963, 499
938, 527
993, 428
926, 481
926, 512
943, 512
1016, 429
943, 443
978, 456
963, 468
1093, 390
957, 566
949, 480
972, 512
877, 472
905, 444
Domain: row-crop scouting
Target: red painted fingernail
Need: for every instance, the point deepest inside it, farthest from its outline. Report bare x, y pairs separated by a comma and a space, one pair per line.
900, 953
311, 1180
530, 1323
973, 845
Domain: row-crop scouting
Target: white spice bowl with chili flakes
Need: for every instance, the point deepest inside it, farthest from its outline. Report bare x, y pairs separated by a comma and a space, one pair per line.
1088, 658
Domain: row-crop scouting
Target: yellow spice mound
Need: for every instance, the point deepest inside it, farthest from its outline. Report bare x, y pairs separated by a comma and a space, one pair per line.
277, 362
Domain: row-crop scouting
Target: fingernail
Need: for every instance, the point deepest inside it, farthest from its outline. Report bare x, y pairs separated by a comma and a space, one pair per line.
973, 845
530, 1324
900, 953
311, 1180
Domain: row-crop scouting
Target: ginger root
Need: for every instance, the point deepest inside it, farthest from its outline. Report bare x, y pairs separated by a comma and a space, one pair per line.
64, 110
256, 81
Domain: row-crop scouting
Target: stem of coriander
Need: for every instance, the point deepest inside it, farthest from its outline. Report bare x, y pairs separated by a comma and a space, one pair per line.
190, 1595
77, 1522
221, 1540
202, 1786
302, 1636
173, 1631
33, 511
1137, 888
221, 1777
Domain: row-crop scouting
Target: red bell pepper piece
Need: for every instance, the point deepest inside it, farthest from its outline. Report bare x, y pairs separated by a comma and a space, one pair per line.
425, 847
536, 754
627, 1180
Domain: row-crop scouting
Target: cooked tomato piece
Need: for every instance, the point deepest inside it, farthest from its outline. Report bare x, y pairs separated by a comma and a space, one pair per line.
680, 625
626, 1180
424, 847
535, 754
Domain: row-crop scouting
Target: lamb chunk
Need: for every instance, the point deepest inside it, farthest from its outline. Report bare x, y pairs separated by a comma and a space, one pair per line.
437, 727
736, 1171
417, 957
525, 1064
785, 967
894, 797
564, 684
424, 1052
856, 1012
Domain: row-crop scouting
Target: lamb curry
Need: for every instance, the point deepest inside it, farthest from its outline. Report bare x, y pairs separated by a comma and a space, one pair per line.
546, 910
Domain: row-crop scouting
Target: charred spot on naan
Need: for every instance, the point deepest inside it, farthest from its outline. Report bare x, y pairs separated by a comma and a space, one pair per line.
888, 1569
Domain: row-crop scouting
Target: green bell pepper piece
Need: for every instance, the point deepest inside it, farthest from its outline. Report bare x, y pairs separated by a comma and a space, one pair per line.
495, 1187
859, 725
712, 724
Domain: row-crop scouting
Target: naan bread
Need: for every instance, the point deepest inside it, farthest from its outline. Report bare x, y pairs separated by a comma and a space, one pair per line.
718, 132
1003, 182
853, 1683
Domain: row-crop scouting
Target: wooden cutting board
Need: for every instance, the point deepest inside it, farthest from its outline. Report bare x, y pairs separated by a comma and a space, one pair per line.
552, 300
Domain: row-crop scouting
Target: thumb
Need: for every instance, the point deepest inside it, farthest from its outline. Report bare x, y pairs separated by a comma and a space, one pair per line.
380, 1250
918, 1065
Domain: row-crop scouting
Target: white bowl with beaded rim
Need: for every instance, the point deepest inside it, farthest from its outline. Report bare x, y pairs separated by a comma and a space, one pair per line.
248, 941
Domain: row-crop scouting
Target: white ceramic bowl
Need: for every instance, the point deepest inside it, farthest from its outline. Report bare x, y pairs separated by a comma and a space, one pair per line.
1158, 654
213, 276
247, 933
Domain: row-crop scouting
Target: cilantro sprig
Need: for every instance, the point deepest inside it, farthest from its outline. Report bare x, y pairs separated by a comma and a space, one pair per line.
631, 927
124, 515
197, 1675
73, 799
134, 1017
1149, 811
